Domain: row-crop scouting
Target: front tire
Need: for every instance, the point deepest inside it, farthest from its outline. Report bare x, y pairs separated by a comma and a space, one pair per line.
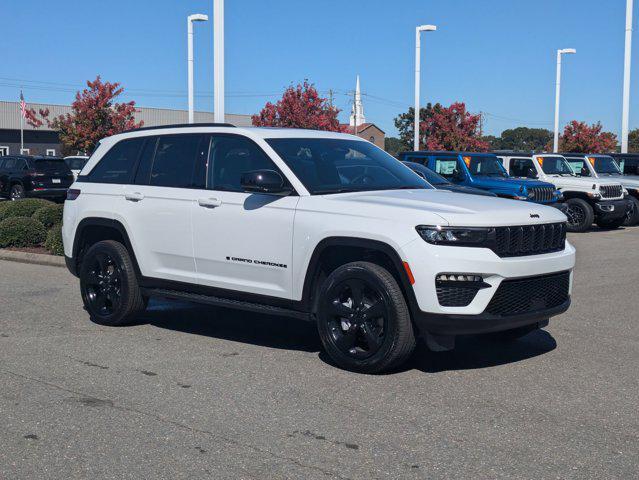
580, 215
109, 285
363, 320
633, 218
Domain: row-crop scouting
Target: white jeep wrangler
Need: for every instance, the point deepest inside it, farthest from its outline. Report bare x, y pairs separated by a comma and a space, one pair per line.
320, 226
604, 202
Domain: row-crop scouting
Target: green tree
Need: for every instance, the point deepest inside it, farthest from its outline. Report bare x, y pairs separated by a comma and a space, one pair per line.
493, 141
394, 146
525, 139
633, 141
405, 124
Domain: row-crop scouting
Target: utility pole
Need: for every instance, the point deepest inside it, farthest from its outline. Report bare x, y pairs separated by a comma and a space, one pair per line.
218, 61
481, 124
626, 79
198, 17
418, 48
330, 98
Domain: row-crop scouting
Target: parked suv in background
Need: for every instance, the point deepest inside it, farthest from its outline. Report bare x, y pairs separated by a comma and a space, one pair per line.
319, 226
605, 168
587, 200
485, 171
31, 176
628, 162
440, 183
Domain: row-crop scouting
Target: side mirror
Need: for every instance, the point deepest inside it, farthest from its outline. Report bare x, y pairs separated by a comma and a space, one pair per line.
458, 176
263, 181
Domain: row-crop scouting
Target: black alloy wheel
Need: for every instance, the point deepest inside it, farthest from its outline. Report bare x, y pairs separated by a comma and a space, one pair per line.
109, 285
580, 215
103, 285
363, 319
357, 318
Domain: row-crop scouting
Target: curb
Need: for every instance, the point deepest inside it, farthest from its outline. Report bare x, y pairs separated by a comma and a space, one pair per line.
33, 258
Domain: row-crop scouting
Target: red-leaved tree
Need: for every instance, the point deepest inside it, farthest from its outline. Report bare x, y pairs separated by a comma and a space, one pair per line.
300, 107
583, 138
94, 115
452, 128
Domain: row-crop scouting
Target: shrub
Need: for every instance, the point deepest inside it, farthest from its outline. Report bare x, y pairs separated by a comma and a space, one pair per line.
53, 242
3, 206
49, 215
21, 232
23, 208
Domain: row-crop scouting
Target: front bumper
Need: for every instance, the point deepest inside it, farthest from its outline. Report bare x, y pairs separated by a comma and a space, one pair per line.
427, 261
613, 209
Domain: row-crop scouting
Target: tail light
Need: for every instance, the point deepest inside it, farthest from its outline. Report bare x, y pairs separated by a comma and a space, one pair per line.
73, 193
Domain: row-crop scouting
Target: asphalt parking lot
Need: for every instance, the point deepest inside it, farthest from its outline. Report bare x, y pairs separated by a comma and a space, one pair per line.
195, 392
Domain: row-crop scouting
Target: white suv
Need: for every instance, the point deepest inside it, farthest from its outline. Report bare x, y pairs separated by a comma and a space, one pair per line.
320, 226
588, 200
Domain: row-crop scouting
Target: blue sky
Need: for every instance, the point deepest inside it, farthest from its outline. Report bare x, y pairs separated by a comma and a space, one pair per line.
496, 55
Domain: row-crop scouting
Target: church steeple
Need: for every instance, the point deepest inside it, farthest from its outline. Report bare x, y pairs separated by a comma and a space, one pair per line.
360, 119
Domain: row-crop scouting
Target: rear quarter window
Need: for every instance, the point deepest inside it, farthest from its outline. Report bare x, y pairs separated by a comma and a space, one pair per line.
118, 164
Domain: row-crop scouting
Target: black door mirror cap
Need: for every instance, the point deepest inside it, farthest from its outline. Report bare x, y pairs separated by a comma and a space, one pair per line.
264, 181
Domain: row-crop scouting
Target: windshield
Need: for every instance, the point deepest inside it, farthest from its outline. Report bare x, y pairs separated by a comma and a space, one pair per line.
605, 165
578, 166
426, 173
485, 165
555, 165
327, 165
51, 165
76, 163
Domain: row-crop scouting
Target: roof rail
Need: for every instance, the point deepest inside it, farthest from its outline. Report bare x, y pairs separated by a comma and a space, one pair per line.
180, 125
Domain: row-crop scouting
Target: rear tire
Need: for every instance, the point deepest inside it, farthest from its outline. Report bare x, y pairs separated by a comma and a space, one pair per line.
17, 192
363, 320
580, 215
633, 218
109, 285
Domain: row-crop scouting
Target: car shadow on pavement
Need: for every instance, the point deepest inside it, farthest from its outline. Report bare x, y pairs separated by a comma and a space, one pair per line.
235, 325
482, 351
471, 352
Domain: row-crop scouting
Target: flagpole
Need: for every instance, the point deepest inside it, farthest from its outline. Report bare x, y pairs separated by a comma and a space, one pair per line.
21, 124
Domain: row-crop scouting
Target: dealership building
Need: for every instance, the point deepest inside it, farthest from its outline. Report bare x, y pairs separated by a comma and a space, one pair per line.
44, 141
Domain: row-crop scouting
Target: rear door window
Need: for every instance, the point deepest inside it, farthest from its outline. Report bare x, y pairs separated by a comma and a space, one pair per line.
47, 165
10, 164
117, 165
180, 161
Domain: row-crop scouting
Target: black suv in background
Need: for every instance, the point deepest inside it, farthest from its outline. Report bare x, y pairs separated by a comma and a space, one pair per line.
628, 162
32, 176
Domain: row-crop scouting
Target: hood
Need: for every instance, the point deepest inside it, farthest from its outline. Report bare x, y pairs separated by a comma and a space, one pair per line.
509, 182
628, 181
582, 182
436, 207
463, 189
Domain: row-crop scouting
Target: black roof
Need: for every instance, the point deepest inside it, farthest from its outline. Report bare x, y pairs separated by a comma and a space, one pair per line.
626, 155
180, 125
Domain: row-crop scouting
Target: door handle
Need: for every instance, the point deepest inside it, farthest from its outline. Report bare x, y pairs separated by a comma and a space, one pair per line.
209, 202
134, 197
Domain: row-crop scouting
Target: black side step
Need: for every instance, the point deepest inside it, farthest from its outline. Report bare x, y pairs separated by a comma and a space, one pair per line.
227, 302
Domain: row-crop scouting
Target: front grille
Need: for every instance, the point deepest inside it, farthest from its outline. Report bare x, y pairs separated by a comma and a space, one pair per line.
530, 295
451, 295
529, 239
611, 191
541, 194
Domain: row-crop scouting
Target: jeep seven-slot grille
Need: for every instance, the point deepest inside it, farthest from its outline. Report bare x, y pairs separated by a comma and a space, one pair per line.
529, 239
541, 194
530, 295
611, 191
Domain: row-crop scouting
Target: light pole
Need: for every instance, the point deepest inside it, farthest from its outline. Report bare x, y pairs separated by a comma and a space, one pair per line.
218, 60
626, 79
198, 17
557, 93
418, 31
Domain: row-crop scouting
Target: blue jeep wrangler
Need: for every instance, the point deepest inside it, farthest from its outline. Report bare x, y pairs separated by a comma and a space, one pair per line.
485, 171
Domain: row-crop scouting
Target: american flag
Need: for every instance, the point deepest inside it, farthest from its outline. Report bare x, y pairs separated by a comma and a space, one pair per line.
23, 106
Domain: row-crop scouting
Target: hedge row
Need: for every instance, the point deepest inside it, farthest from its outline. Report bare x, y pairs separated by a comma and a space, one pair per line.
31, 222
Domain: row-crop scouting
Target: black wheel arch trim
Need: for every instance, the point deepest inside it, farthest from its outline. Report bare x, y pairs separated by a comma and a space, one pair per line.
72, 263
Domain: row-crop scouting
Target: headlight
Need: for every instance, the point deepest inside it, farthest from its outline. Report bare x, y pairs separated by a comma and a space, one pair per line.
463, 236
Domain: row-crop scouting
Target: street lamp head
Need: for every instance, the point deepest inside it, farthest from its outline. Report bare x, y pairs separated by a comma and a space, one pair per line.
198, 17
426, 28
567, 50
